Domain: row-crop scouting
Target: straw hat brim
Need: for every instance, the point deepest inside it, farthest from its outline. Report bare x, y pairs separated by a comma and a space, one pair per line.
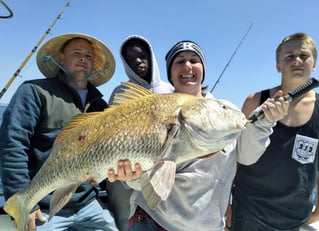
103, 57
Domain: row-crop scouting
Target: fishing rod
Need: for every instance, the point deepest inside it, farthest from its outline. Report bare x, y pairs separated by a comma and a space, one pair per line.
235, 51
33, 50
258, 113
8, 9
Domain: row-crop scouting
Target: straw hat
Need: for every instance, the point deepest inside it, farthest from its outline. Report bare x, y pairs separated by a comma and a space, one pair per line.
103, 57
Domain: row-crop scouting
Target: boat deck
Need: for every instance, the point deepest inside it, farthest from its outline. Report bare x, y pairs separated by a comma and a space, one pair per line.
6, 223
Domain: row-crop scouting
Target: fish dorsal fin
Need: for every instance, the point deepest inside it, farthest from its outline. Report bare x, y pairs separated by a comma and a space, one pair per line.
130, 92
74, 122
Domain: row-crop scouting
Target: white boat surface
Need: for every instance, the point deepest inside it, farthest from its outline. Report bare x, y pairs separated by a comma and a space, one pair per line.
5, 220
6, 223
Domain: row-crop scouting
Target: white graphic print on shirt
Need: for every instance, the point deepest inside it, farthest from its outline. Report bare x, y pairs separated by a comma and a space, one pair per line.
304, 149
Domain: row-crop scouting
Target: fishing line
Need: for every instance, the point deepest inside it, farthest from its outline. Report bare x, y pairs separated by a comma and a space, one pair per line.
47, 58
235, 51
9, 10
33, 51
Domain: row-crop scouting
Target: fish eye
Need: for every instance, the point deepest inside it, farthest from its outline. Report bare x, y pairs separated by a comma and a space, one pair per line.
223, 106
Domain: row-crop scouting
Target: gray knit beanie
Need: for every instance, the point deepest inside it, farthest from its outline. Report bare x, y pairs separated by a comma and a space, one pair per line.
184, 45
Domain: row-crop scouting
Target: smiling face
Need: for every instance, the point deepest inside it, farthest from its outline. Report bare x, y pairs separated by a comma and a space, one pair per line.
187, 73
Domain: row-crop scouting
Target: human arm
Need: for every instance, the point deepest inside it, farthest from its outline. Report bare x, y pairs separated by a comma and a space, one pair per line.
18, 126
17, 129
273, 109
315, 214
257, 134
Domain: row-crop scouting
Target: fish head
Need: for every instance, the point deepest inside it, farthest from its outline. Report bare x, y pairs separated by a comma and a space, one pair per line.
209, 124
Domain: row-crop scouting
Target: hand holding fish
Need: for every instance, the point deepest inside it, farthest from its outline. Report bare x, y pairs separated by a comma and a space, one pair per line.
275, 108
125, 172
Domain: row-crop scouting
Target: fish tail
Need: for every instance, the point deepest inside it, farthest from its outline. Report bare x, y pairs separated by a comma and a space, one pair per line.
19, 213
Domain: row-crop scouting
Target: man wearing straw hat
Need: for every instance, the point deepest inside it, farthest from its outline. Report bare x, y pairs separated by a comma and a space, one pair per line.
74, 65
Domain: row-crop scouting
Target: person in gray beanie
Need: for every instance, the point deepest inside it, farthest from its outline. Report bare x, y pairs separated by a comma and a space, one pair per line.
201, 190
184, 45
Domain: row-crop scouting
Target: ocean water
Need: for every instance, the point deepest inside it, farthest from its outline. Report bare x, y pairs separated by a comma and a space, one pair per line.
2, 108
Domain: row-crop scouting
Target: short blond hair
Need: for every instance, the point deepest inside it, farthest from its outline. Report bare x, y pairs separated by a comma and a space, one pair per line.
301, 37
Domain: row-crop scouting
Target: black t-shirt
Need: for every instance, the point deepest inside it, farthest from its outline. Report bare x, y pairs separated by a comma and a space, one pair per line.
277, 189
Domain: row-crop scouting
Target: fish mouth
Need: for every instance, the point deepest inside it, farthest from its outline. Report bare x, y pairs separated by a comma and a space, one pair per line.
199, 137
242, 124
219, 143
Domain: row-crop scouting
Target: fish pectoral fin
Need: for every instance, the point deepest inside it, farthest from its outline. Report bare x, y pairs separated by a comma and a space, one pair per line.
159, 184
172, 130
162, 178
60, 197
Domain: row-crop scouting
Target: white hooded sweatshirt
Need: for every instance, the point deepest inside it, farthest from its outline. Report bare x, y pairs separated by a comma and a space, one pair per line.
156, 85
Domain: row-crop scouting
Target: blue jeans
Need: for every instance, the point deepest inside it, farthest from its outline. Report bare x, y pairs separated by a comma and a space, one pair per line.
90, 218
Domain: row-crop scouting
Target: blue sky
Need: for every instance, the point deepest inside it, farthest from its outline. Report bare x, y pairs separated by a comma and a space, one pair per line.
216, 25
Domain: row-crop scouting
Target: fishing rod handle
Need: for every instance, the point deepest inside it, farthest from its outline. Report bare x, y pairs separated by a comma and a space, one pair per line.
258, 113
